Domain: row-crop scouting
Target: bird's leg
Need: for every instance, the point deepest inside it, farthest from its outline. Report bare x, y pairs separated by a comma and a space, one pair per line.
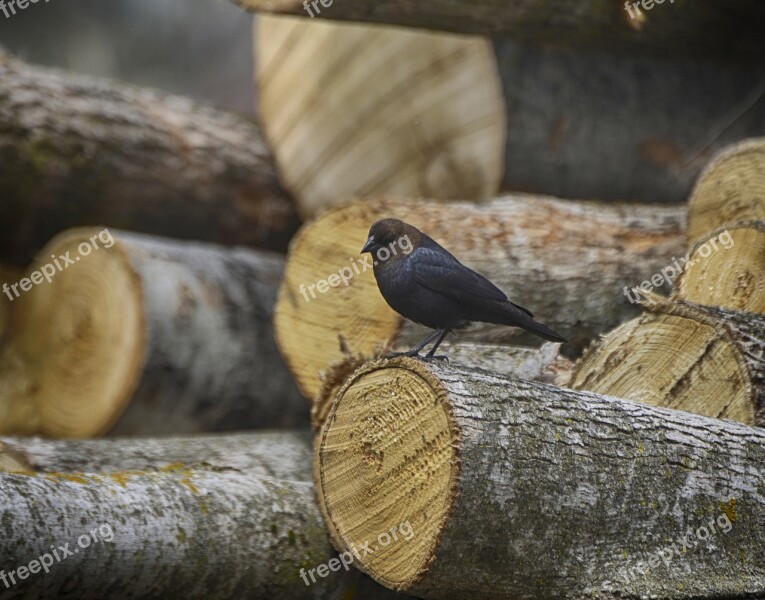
416, 350
431, 355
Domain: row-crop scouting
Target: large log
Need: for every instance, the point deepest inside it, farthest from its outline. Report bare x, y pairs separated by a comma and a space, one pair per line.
220, 530
433, 126
144, 336
77, 151
534, 248
576, 124
723, 29
596, 125
523, 490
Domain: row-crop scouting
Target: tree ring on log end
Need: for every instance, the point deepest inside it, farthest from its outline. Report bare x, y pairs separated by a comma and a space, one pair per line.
388, 455
681, 356
731, 189
80, 336
727, 268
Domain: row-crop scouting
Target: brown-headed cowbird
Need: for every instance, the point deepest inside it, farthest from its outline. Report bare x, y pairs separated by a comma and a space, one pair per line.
423, 282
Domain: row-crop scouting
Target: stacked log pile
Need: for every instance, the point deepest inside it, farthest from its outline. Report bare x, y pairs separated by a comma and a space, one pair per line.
157, 326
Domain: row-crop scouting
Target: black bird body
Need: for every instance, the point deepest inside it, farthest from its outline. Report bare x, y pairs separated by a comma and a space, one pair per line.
429, 286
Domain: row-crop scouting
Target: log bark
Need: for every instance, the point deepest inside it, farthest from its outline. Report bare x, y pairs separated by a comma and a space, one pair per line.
533, 248
518, 489
434, 126
146, 336
77, 151
276, 454
169, 531
597, 125
718, 29
730, 190
703, 359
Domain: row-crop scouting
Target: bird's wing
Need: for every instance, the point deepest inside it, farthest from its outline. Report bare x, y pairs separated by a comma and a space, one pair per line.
438, 270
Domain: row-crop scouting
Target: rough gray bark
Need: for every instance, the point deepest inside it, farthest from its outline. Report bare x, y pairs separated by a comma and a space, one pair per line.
236, 380
183, 343
597, 125
277, 454
723, 29
208, 531
565, 494
78, 151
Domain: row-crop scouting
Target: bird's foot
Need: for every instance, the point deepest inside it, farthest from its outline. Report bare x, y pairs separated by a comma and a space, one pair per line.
440, 357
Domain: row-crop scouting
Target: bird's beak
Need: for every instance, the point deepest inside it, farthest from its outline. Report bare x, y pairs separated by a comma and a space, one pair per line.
369, 245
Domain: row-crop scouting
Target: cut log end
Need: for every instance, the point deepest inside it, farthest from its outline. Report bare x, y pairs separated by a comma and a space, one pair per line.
727, 268
358, 311
361, 139
680, 356
80, 339
730, 190
413, 468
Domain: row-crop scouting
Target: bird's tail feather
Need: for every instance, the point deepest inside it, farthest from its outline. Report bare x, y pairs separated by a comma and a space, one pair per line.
517, 318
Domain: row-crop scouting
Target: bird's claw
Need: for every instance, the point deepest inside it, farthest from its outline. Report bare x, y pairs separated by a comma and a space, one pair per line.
440, 357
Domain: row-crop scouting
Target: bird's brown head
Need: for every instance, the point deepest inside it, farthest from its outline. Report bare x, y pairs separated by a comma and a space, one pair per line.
391, 239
